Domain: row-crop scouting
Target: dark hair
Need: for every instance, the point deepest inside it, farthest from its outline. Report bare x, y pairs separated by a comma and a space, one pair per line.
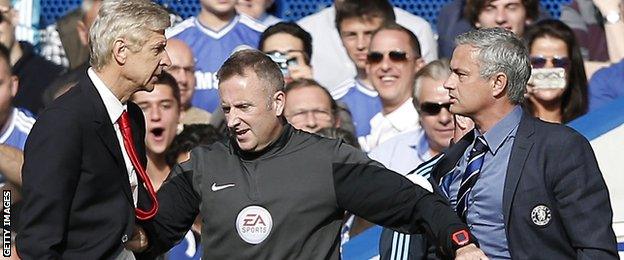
310, 83
167, 79
413, 40
364, 9
574, 101
5, 55
473, 8
339, 133
192, 136
266, 70
292, 29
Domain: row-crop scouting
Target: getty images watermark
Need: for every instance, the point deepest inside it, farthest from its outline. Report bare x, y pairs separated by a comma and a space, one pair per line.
6, 223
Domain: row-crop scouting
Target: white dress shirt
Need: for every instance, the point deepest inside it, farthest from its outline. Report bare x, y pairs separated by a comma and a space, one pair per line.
384, 127
114, 107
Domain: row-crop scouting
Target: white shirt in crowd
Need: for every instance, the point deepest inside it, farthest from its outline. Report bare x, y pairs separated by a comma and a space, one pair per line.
384, 127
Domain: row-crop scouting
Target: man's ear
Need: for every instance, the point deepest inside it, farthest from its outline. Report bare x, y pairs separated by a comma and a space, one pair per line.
120, 51
279, 100
14, 85
420, 63
83, 33
500, 84
337, 120
477, 25
14, 16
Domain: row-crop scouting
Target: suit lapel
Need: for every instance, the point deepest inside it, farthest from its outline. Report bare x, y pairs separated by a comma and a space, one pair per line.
137, 123
519, 152
106, 132
138, 134
452, 155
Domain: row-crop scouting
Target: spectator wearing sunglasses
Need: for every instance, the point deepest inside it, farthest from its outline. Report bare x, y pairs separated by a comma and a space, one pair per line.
552, 44
356, 22
332, 65
406, 151
33, 71
391, 64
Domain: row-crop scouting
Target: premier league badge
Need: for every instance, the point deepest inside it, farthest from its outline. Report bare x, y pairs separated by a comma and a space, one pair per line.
541, 215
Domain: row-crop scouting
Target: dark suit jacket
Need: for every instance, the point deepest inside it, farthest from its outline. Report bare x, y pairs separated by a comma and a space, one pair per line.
555, 166
77, 198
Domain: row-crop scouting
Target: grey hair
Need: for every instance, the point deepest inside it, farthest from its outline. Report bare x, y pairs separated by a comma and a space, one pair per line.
437, 70
499, 50
132, 20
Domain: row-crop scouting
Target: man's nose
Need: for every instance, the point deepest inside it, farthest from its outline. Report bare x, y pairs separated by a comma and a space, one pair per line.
310, 120
155, 114
232, 120
166, 61
361, 42
501, 16
448, 83
445, 117
181, 78
385, 63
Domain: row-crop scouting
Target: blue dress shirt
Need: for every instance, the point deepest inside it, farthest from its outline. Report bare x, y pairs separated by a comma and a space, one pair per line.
485, 202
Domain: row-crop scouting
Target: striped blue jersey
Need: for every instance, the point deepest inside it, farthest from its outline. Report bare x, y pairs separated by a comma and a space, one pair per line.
18, 127
363, 103
394, 245
211, 49
16, 130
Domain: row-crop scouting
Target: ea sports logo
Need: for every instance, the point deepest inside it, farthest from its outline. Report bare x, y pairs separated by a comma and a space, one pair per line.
254, 224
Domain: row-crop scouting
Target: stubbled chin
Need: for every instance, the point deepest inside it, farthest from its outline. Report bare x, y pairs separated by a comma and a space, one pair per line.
244, 145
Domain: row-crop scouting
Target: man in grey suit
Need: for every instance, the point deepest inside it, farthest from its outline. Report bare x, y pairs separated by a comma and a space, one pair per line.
526, 188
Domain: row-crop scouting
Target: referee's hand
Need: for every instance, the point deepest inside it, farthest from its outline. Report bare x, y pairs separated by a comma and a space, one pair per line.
470, 252
138, 243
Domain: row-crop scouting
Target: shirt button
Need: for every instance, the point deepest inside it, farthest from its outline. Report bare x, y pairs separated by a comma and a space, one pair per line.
124, 238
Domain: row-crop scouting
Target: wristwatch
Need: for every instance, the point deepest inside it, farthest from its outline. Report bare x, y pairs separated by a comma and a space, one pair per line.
613, 17
461, 238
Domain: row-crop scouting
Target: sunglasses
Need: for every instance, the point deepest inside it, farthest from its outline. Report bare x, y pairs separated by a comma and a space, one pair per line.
374, 57
433, 109
558, 62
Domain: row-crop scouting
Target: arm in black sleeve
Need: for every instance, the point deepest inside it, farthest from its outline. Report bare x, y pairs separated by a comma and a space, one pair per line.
50, 175
178, 206
369, 190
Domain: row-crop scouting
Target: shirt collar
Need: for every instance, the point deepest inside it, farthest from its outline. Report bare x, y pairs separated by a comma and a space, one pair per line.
423, 145
114, 107
501, 130
404, 117
369, 92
